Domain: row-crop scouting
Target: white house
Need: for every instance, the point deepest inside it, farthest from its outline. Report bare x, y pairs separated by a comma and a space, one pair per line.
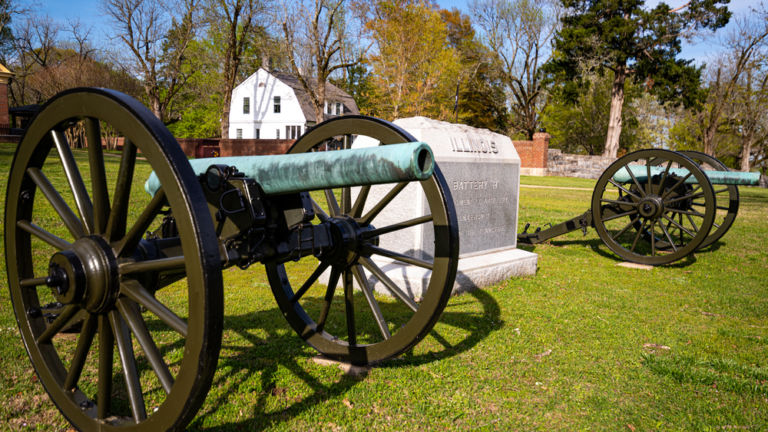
274, 105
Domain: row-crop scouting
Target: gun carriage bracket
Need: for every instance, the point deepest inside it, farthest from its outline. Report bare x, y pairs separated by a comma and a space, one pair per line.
658, 206
138, 277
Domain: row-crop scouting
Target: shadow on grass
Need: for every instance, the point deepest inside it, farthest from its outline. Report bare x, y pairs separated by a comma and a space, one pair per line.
263, 356
599, 248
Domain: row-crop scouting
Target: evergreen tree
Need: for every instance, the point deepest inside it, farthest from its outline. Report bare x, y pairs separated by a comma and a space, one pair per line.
633, 42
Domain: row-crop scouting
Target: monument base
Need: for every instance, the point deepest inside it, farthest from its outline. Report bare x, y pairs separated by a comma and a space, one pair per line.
476, 271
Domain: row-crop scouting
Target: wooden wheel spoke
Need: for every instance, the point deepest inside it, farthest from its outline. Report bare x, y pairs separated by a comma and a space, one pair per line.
648, 177
321, 214
388, 283
626, 227
106, 356
138, 327
53, 240
311, 280
369, 248
81, 352
396, 227
637, 183
58, 324
362, 196
686, 212
678, 183
130, 370
346, 200
637, 236
131, 240
665, 176
333, 205
653, 238
619, 215
349, 307
372, 213
722, 191
76, 184
625, 190
98, 175
333, 281
156, 265
137, 293
691, 221
357, 271
73, 224
680, 226
118, 216
666, 233
618, 202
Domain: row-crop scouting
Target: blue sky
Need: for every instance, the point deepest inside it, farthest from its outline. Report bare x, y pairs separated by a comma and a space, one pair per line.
89, 13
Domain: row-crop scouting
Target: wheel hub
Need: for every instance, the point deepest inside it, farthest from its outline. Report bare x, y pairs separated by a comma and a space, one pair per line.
348, 240
651, 207
86, 274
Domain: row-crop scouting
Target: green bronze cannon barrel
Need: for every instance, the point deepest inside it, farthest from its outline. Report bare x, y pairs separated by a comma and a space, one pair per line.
640, 172
282, 174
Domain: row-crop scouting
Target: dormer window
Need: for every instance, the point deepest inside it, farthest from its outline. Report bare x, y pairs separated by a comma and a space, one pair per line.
276, 101
339, 108
246, 105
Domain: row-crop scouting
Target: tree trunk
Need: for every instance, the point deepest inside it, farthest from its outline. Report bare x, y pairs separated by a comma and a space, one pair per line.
320, 99
746, 150
614, 119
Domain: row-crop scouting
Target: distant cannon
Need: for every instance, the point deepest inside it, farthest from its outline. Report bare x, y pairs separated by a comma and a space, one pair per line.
144, 274
658, 206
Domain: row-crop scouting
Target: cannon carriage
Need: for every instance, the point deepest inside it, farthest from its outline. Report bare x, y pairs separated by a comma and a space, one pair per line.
118, 294
657, 206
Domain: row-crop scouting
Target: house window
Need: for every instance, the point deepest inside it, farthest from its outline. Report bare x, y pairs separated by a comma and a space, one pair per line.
246, 105
277, 104
277, 133
239, 133
258, 133
292, 132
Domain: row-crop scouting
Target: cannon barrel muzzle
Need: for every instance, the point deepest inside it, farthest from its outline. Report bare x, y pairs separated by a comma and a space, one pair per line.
280, 174
715, 177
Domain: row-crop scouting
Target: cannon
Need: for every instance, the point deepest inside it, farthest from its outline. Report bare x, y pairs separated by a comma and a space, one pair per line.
118, 294
657, 206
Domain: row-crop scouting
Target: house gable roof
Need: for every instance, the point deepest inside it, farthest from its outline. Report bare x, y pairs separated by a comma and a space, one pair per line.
332, 94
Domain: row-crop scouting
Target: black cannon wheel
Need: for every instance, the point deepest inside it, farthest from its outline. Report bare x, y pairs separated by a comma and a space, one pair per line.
112, 353
726, 213
362, 329
653, 219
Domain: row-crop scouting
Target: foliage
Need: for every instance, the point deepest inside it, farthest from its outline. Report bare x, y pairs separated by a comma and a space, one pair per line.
481, 101
358, 83
518, 34
416, 71
625, 38
580, 125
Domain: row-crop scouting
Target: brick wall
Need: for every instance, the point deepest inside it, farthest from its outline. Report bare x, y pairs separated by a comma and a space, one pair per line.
247, 147
533, 154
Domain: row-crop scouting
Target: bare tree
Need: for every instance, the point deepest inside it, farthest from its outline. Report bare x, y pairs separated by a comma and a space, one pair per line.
157, 35
34, 41
745, 45
235, 19
315, 32
518, 33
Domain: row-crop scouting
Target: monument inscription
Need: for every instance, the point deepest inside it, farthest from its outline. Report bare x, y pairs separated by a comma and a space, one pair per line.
482, 172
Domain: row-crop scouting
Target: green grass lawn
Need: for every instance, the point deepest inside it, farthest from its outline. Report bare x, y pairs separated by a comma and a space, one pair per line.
582, 345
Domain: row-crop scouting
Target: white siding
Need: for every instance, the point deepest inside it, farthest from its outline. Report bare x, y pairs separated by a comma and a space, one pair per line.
261, 88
